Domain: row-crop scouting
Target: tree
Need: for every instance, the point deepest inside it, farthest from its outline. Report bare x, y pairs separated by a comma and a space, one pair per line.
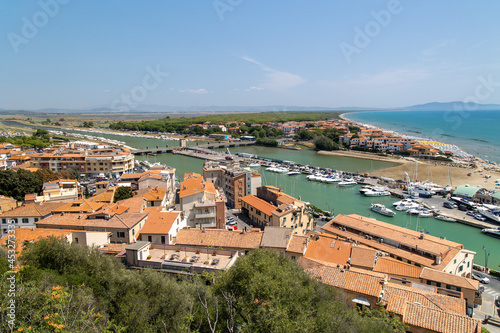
18, 184
122, 193
325, 143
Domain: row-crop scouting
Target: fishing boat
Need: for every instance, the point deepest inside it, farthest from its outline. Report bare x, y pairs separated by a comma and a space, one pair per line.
381, 209
492, 232
444, 218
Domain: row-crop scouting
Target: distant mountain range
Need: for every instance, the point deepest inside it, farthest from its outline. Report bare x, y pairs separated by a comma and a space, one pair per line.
434, 106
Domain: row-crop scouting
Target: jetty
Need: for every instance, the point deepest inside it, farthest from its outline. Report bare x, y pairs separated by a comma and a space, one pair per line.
198, 148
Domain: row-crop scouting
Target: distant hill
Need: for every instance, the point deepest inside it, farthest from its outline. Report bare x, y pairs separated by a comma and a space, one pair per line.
451, 106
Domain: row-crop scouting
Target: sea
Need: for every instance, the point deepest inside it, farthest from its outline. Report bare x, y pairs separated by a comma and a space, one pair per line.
475, 132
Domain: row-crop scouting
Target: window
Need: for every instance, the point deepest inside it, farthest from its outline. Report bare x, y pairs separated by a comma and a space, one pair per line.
149, 238
133, 232
466, 255
4, 221
120, 234
455, 261
468, 264
76, 240
461, 268
163, 239
25, 220
36, 219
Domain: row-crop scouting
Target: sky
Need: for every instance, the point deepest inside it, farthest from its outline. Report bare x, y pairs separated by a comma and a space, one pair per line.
121, 54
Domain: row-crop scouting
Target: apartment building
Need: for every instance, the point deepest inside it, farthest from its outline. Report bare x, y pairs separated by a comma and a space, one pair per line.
61, 190
26, 216
162, 227
202, 204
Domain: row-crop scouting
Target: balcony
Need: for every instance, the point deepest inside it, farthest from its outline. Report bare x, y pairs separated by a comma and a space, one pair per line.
206, 225
204, 215
204, 204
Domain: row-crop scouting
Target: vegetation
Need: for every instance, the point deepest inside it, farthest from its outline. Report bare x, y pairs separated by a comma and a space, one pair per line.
251, 120
266, 142
72, 288
17, 184
325, 143
39, 139
122, 193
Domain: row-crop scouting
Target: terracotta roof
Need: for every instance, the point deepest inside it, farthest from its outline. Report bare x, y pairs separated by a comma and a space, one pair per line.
77, 206
220, 238
395, 267
276, 237
68, 221
397, 295
132, 175
454, 280
113, 248
33, 210
194, 183
362, 256
155, 194
329, 249
262, 205
29, 235
439, 321
136, 204
407, 237
159, 223
355, 281
103, 197
110, 209
297, 244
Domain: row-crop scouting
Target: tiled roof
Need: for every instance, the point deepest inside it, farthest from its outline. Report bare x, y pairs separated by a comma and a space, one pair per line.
33, 210
159, 223
129, 176
81, 205
220, 238
262, 205
194, 183
362, 256
362, 283
135, 204
68, 221
155, 194
395, 267
297, 244
276, 237
439, 321
397, 295
328, 249
29, 235
110, 209
443, 277
103, 197
407, 237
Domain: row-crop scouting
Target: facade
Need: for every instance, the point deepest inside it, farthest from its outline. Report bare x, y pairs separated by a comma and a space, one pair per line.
7, 204
26, 216
272, 207
61, 190
162, 227
202, 204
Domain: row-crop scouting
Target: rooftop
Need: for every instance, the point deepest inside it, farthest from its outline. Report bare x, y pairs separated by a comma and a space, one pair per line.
276, 237
328, 249
159, 223
392, 266
220, 238
260, 204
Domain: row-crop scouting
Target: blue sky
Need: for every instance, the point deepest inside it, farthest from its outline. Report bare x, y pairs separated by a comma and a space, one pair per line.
84, 54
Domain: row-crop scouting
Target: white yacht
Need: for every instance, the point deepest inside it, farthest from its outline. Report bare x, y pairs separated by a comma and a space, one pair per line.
377, 193
347, 182
492, 232
293, 172
381, 209
405, 204
488, 214
444, 218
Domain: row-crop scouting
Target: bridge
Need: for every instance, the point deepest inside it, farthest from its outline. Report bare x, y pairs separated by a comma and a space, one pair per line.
209, 146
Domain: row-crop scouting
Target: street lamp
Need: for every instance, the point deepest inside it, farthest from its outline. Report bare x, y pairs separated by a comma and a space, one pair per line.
485, 257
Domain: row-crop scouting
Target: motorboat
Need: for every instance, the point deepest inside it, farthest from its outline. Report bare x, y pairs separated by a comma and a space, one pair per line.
347, 182
377, 193
492, 232
444, 218
293, 172
381, 209
406, 204
254, 165
425, 213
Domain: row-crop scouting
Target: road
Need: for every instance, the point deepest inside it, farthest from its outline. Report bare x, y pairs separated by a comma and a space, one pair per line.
488, 308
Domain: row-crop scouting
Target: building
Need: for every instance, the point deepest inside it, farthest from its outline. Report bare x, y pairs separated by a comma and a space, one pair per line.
276, 239
406, 245
272, 207
61, 190
162, 227
202, 204
7, 204
123, 227
236, 182
26, 216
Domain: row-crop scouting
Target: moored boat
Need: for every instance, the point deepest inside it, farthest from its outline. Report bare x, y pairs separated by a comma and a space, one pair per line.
347, 182
381, 209
444, 218
492, 232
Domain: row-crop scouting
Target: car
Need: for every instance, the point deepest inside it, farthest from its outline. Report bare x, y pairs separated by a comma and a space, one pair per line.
449, 205
497, 301
480, 277
470, 213
230, 218
231, 223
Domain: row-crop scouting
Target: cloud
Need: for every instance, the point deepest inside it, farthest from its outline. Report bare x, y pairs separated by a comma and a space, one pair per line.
432, 51
200, 91
399, 76
254, 88
106, 90
274, 79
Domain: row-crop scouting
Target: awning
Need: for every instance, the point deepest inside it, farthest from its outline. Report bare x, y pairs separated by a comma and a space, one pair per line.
361, 300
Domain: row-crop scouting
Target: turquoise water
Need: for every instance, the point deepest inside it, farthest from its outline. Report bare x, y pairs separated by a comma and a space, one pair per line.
476, 132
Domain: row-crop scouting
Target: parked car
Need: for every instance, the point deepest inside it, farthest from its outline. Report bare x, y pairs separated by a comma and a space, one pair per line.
231, 223
480, 277
449, 205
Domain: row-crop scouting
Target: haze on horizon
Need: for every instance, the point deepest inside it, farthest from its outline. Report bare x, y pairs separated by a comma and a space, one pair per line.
117, 54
